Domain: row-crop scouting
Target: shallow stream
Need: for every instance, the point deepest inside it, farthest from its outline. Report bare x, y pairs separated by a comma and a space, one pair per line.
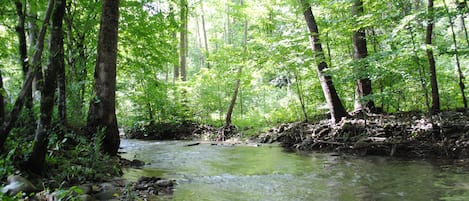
242, 172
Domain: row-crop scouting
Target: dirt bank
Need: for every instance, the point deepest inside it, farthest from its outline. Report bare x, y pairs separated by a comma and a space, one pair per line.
444, 135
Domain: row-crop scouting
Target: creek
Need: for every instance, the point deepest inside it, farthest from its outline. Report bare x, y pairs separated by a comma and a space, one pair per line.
242, 172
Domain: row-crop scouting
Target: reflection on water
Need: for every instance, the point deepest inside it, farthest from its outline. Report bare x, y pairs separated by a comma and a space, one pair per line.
207, 172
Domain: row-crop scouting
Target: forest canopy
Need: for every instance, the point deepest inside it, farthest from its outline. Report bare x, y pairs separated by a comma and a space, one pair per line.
182, 60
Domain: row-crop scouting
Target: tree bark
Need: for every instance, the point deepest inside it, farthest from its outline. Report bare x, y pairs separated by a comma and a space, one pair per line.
421, 70
59, 60
56, 60
33, 38
456, 52
299, 89
102, 112
175, 61
431, 59
334, 103
2, 100
233, 100
360, 51
176, 65
204, 30
77, 64
20, 100
461, 9
23, 48
183, 39
238, 79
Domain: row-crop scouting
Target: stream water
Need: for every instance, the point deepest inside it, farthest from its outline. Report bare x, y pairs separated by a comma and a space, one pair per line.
208, 172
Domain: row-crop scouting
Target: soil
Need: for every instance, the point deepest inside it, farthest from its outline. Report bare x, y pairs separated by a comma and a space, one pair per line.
180, 131
411, 134
162, 131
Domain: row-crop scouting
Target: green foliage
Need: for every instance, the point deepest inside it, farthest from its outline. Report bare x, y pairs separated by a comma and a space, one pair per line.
3, 197
145, 93
6, 164
276, 59
18, 149
70, 194
83, 161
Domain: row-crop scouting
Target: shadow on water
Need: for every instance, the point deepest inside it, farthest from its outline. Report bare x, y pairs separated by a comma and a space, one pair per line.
207, 172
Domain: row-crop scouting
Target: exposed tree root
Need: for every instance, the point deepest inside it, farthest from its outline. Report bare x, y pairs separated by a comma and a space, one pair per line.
444, 135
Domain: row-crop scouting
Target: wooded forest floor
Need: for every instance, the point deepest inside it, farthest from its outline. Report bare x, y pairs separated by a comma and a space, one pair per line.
411, 134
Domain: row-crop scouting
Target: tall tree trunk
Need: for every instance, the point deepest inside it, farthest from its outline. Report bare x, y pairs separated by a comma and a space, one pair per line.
462, 13
102, 112
2, 101
62, 98
299, 89
238, 80
176, 65
375, 44
56, 60
233, 99
199, 45
456, 52
207, 52
33, 39
23, 48
334, 103
60, 68
77, 66
360, 51
431, 59
11, 118
227, 30
60, 65
421, 70
183, 39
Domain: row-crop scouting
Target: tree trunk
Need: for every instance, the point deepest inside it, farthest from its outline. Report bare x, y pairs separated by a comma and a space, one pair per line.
102, 112
183, 39
421, 70
334, 103
299, 90
238, 80
56, 60
198, 39
431, 59
175, 65
2, 100
22, 95
59, 62
456, 52
233, 99
204, 30
461, 9
77, 67
227, 27
360, 51
175, 62
33, 38
23, 49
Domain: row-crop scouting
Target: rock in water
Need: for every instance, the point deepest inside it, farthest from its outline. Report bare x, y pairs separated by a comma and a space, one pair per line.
86, 188
86, 197
193, 144
107, 192
18, 184
165, 183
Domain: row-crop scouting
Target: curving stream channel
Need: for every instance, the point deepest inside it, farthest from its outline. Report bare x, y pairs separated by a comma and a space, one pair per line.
207, 172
